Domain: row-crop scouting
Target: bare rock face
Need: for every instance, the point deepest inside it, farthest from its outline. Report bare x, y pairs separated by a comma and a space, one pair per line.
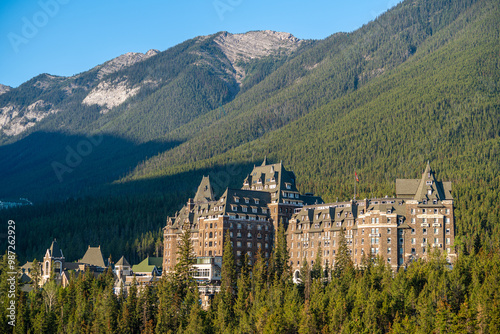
15, 119
124, 60
110, 94
4, 89
254, 44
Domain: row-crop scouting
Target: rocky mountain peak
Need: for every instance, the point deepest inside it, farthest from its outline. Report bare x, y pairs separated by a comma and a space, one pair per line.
125, 60
4, 89
254, 44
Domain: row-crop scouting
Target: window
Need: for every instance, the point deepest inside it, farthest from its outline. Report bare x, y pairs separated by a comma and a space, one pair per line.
388, 260
412, 231
389, 250
424, 231
389, 230
249, 244
238, 243
447, 220
429, 192
413, 241
249, 235
412, 211
247, 200
244, 209
436, 231
447, 231
236, 199
234, 207
388, 240
413, 220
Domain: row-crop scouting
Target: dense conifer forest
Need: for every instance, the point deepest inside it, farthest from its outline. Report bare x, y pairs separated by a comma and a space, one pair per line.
427, 297
419, 83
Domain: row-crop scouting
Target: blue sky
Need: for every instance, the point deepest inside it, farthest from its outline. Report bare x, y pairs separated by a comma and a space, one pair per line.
66, 37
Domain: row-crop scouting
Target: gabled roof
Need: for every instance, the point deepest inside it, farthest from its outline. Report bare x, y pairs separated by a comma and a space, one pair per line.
148, 265
427, 187
122, 262
93, 256
205, 192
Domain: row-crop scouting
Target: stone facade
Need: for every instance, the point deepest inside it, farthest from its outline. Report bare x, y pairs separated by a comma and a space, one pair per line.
249, 216
399, 229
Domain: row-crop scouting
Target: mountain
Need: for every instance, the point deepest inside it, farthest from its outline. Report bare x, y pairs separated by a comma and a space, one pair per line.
4, 89
133, 100
191, 78
418, 83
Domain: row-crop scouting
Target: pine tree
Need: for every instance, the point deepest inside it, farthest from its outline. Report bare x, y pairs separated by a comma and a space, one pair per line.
35, 274
185, 260
225, 298
279, 267
343, 263
317, 268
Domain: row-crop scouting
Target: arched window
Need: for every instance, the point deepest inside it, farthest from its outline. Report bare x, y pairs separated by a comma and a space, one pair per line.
47, 265
58, 267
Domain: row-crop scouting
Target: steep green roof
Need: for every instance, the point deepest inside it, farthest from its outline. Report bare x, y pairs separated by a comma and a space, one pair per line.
148, 265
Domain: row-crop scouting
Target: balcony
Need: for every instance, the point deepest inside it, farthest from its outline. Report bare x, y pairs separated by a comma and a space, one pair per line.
424, 225
374, 235
436, 225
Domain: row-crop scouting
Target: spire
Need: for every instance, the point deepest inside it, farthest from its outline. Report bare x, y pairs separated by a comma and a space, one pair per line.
205, 191
54, 249
265, 161
427, 169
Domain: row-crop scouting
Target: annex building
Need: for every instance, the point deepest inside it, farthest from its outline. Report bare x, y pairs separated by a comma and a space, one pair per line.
399, 229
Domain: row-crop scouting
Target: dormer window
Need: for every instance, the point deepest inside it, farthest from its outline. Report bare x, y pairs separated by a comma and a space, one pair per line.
247, 200
256, 200
236, 199
429, 192
288, 186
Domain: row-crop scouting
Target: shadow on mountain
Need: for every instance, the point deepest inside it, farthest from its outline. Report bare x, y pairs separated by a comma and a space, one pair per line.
182, 184
57, 166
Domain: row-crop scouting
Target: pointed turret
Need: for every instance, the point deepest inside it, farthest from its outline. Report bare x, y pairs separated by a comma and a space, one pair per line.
205, 192
264, 163
54, 250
